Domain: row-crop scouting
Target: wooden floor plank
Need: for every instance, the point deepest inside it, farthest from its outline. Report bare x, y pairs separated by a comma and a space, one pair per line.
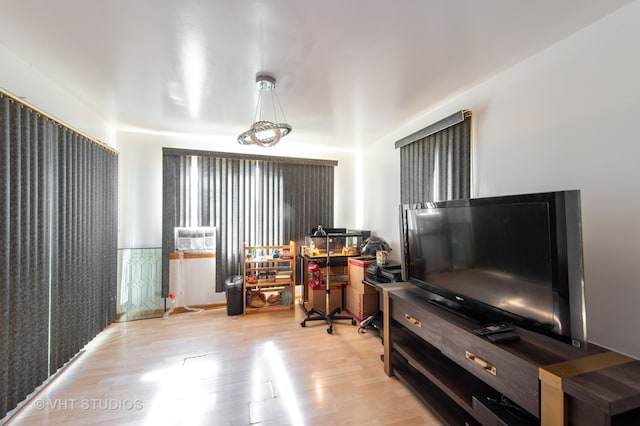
213, 369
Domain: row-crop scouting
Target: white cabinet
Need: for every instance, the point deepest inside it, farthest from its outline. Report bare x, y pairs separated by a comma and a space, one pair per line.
192, 279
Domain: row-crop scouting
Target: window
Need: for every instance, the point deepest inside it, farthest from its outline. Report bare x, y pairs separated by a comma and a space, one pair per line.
435, 163
257, 200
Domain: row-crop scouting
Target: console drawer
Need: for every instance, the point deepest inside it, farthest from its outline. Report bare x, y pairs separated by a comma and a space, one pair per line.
418, 321
505, 372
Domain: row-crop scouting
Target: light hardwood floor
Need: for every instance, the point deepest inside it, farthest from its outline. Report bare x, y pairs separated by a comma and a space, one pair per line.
214, 369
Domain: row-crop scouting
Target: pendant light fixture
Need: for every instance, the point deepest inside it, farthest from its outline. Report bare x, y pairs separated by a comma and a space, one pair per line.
263, 132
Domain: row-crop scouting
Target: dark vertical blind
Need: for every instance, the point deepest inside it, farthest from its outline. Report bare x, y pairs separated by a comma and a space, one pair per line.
85, 265
257, 200
58, 218
24, 253
435, 163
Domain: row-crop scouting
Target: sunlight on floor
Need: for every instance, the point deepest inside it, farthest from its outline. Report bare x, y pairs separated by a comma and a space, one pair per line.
214, 369
288, 392
204, 385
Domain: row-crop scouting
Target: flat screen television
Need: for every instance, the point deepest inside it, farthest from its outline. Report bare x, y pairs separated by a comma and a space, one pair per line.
514, 258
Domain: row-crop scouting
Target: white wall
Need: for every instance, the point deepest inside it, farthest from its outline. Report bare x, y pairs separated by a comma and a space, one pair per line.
140, 179
566, 118
21, 80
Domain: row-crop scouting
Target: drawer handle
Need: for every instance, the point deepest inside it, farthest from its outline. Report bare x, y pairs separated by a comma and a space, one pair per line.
413, 320
481, 363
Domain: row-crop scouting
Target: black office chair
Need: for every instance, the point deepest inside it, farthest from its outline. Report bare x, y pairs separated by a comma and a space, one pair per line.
329, 317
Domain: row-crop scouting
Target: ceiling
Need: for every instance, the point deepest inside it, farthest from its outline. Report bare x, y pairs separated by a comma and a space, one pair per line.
348, 72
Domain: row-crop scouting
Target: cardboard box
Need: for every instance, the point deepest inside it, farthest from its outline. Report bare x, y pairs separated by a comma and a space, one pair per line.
317, 299
339, 275
357, 266
361, 305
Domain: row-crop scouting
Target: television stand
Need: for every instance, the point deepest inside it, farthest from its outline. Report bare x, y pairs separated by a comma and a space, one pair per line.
455, 372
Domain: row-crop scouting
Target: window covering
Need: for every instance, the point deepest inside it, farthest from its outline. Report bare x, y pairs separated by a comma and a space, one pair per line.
259, 200
58, 231
435, 162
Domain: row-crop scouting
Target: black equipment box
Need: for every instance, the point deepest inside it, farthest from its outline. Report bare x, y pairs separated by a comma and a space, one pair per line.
389, 273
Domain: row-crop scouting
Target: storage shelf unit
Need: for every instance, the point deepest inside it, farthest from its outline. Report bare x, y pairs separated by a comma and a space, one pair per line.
274, 268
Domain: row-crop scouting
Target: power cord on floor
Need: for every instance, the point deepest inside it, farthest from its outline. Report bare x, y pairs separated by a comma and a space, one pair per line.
365, 323
172, 299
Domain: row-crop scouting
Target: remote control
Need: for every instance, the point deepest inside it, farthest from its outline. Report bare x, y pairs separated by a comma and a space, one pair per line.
506, 336
493, 328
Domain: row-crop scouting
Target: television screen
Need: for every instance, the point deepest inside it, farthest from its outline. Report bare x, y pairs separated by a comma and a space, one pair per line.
512, 257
